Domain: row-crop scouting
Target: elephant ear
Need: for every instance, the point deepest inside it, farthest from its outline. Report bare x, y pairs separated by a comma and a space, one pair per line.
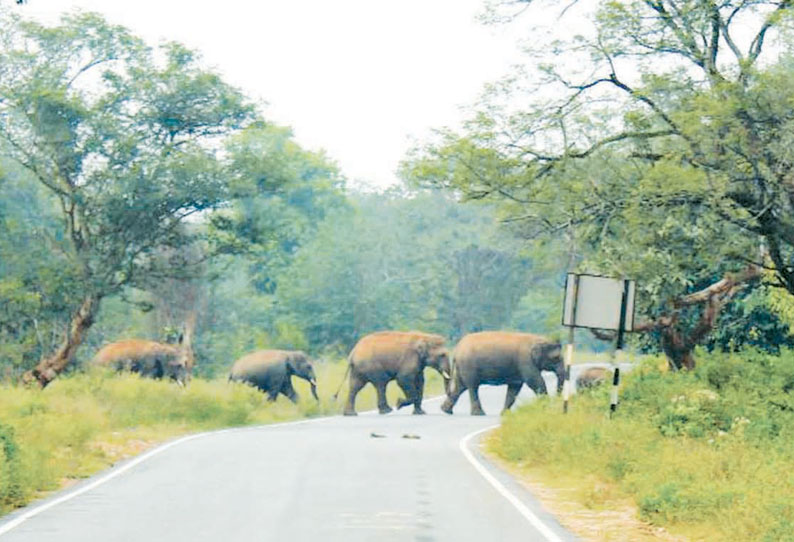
295, 361
547, 355
422, 348
289, 362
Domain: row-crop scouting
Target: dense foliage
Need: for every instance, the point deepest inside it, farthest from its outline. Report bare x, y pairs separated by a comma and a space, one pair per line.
144, 197
658, 150
381, 261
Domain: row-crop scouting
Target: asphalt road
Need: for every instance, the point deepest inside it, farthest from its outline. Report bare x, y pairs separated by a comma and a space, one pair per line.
331, 479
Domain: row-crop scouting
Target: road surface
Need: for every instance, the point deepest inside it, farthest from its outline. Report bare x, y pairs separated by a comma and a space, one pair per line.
331, 480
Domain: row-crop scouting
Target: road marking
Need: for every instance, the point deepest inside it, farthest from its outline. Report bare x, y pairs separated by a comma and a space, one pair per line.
36, 510
534, 520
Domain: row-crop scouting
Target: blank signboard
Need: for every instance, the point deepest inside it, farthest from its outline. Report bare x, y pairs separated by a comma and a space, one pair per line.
597, 304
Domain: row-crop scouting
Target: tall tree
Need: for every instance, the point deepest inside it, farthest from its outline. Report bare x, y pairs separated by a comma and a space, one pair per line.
125, 141
402, 260
657, 143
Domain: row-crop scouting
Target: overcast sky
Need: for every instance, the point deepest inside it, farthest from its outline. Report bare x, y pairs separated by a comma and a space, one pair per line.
358, 78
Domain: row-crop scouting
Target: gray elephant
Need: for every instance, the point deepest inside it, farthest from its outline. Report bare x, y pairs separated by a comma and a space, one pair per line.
381, 357
148, 358
500, 357
592, 377
271, 372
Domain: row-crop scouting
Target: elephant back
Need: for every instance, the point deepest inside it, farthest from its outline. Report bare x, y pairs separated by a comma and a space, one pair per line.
392, 345
485, 345
124, 354
592, 376
258, 362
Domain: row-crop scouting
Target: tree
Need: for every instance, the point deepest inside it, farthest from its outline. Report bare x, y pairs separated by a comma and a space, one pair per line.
281, 193
656, 145
402, 260
125, 141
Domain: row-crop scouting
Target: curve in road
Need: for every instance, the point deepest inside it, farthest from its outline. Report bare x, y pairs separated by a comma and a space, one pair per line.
386, 478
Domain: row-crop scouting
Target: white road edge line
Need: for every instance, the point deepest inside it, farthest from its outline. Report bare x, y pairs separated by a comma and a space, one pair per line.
36, 510
534, 520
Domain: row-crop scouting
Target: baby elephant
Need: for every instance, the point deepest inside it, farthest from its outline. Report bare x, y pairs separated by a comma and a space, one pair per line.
592, 377
271, 372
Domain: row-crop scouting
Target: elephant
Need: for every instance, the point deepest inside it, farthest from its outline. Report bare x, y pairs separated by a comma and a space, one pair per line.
501, 357
594, 376
149, 358
271, 372
381, 357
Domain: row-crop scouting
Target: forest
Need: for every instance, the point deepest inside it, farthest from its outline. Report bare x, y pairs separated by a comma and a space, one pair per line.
145, 197
142, 196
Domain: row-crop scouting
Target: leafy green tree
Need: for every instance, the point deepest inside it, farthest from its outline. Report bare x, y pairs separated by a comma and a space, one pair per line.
402, 260
124, 140
658, 148
281, 192
34, 280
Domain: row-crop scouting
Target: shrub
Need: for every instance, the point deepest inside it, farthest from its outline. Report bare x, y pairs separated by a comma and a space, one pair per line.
10, 486
706, 452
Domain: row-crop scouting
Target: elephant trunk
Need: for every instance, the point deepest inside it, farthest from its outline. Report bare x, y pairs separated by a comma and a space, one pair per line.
559, 370
314, 391
447, 381
313, 386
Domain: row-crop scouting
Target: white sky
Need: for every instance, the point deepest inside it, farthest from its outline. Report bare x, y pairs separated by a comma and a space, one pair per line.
358, 78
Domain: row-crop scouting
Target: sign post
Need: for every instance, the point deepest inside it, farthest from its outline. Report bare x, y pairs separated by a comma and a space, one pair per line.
613, 396
566, 386
597, 302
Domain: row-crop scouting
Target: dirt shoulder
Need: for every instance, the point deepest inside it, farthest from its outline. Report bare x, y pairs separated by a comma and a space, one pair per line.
570, 500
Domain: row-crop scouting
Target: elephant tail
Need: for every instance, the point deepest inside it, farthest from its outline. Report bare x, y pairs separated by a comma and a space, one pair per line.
342, 383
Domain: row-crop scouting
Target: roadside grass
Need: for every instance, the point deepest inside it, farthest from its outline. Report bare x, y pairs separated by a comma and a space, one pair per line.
86, 422
707, 455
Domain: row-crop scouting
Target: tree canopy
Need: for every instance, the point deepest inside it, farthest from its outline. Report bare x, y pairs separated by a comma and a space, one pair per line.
130, 149
658, 149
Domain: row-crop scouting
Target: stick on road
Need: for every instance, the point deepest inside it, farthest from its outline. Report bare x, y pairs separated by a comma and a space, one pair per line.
385, 478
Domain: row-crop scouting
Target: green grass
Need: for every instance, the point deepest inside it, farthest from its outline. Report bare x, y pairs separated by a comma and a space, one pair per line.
83, 423
707, 455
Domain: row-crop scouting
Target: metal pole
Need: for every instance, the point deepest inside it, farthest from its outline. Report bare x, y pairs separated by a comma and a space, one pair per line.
568, 360
613, 396
566, 385
613, 399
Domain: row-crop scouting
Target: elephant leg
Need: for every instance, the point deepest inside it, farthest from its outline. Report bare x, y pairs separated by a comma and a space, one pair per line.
419, 384
537, 383
407, 385
512, 391
289, 391
412, 386
474, 398
383, 406
452, 397
356, 383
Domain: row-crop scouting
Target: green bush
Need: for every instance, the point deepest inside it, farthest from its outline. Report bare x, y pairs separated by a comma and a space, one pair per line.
707, 453
10, 486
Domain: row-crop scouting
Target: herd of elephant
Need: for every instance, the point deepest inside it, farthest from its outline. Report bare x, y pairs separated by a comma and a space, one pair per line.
487, 357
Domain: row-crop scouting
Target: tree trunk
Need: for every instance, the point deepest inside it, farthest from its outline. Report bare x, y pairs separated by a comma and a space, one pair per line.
679, 352
678, 344
49, 368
